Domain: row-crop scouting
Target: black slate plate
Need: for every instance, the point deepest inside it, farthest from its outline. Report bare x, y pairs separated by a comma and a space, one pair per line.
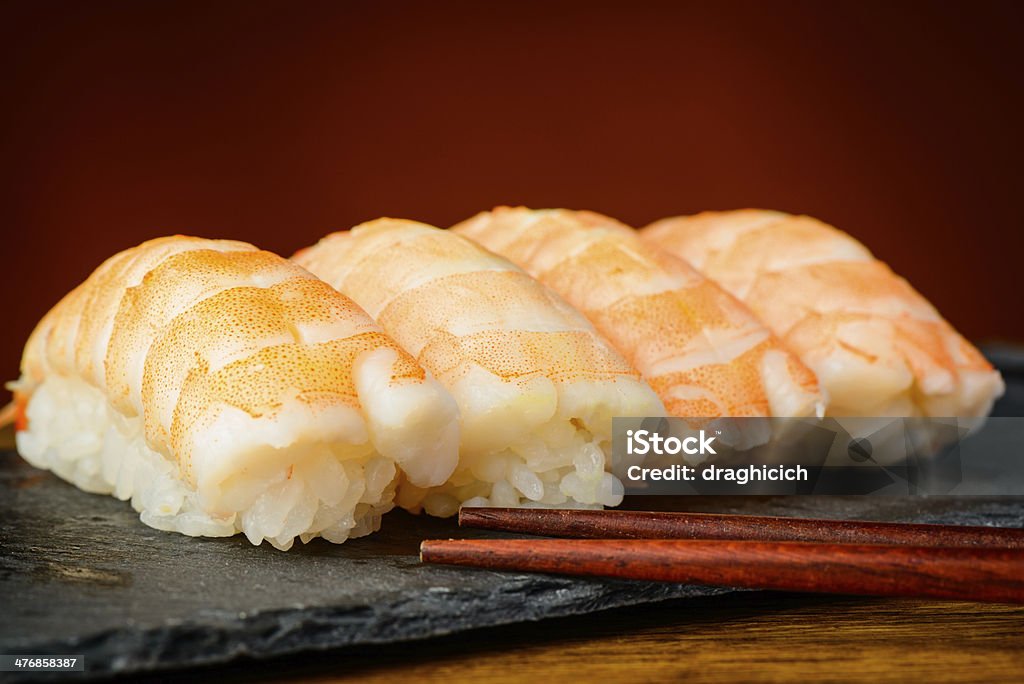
80, 574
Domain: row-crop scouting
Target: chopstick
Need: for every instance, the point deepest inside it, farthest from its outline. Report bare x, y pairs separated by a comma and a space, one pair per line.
970, 574
656, 525
757, 552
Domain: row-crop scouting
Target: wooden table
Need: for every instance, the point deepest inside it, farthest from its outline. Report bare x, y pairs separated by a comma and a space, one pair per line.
744, 636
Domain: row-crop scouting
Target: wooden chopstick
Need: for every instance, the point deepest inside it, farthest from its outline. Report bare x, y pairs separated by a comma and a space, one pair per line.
656, 525
758, 552
970, 574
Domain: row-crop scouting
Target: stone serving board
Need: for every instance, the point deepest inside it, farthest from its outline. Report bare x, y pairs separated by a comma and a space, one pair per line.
80, 574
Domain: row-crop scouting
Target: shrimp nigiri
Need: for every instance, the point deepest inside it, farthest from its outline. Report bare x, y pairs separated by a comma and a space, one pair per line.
224, 389
878, 347
536, 386
703, 351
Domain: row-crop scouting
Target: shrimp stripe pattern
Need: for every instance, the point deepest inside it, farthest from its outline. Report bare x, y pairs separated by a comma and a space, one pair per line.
701, 349
878, 347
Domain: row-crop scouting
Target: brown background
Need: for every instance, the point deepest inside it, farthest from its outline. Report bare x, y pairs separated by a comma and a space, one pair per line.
277, 122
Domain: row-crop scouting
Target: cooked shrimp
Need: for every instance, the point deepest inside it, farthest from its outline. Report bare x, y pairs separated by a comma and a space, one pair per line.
878, 347
224, 389
702, 350
536, 385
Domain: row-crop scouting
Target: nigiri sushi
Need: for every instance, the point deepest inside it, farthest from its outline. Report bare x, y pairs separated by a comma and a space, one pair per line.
878, 347
224, 389
536, 386
703, 351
